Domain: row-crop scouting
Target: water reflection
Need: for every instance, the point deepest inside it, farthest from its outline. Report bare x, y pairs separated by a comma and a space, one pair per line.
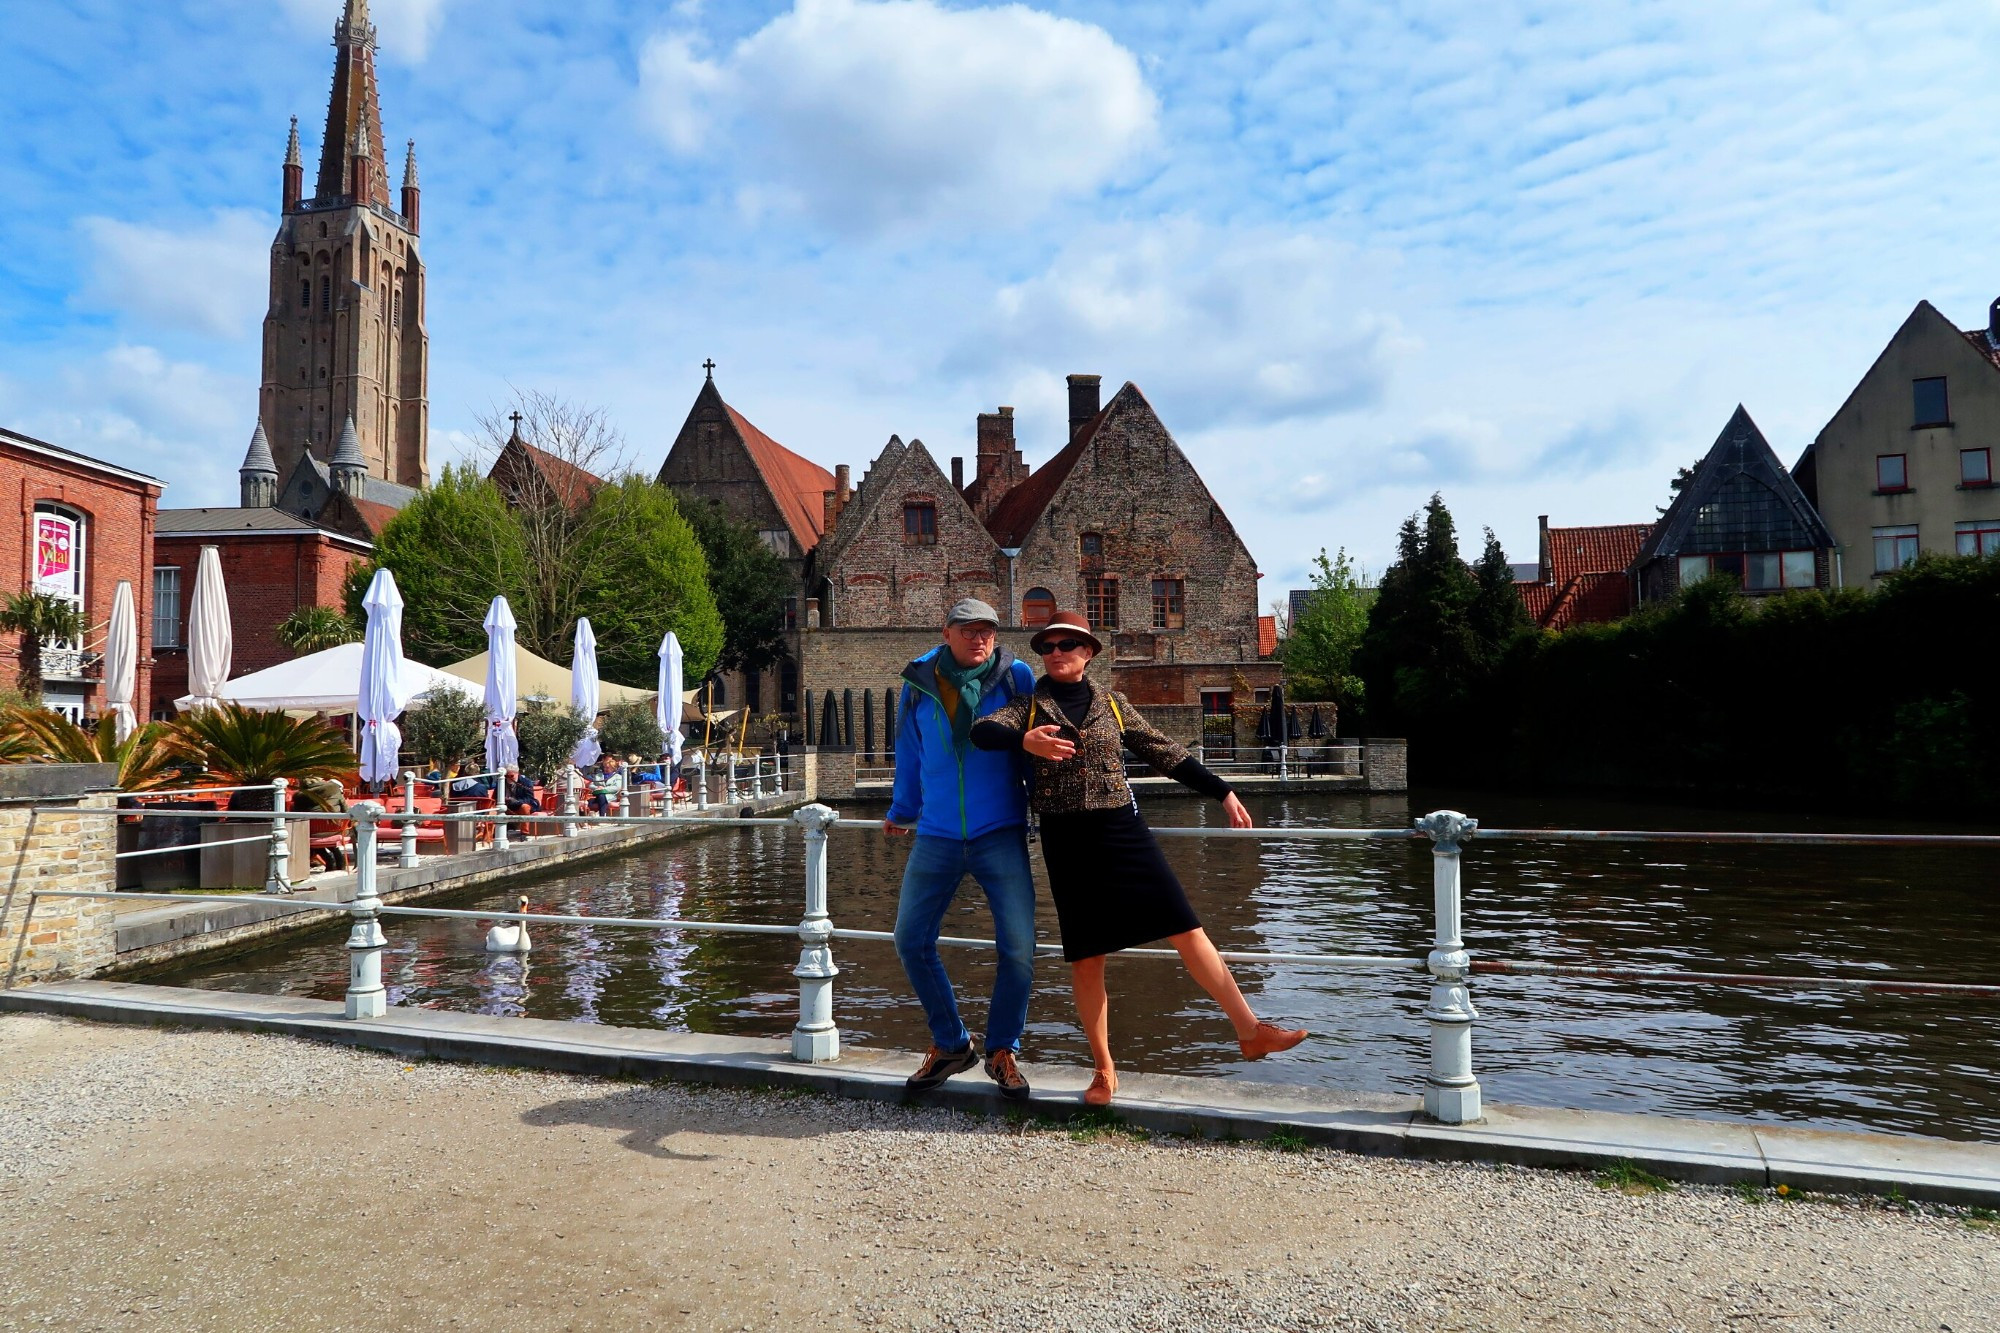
1814, 1054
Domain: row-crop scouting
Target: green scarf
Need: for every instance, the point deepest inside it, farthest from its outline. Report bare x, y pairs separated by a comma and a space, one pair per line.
970, 682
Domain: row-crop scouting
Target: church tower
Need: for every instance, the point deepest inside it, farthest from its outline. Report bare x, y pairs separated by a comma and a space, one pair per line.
344, 338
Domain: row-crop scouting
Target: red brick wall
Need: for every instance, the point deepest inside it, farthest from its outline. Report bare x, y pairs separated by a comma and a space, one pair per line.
267, 576
118, 545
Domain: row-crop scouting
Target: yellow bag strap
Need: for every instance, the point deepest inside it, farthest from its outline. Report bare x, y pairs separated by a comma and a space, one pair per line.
1109, 698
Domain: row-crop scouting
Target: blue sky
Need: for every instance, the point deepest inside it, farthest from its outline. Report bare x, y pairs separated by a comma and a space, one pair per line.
1531, 256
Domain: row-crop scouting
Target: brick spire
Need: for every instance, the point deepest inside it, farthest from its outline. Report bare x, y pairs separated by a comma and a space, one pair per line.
354, 114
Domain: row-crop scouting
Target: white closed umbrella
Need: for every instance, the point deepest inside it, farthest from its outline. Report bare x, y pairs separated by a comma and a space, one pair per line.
210, 638
121, 660
503, 747
667, 706
583, 692
384, 691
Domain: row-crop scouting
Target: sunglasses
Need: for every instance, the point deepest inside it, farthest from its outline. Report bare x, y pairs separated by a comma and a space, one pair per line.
1062, 646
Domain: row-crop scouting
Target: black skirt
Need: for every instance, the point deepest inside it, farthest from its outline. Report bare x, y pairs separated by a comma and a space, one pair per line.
1113, 887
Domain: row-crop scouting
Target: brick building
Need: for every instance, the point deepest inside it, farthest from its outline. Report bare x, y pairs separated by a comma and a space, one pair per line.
1118, 524
81, 528
272, 564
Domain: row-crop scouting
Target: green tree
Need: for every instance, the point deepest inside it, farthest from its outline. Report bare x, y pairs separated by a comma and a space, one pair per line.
40, 619
452, 549
443, 724
314, 629
548, 733
1321, 643
1496, 613
631, 728
1419, 657
641, 574
750, 584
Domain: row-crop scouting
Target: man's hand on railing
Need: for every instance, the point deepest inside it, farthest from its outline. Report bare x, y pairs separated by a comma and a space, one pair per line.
895, 830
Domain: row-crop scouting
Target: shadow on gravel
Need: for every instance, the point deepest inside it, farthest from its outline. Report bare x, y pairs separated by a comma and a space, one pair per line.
646, 1118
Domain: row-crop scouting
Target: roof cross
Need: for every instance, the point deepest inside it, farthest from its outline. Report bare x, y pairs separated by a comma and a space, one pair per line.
515, 417
709, 366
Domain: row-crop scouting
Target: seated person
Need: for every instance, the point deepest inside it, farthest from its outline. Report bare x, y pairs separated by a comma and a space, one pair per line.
607, 784
647, 775
518, 797
465, 786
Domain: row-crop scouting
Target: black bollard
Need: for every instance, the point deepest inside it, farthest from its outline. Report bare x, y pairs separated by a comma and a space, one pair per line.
889, 724
868, 723
829, 721
809, 717
847, 718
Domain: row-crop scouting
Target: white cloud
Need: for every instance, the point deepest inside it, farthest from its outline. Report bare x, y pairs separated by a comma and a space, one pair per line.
1217, 324
404, 27
870, 113
135, 407
212, 278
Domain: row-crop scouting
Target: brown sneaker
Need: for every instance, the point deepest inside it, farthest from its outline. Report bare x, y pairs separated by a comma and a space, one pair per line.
1269, 1040
1000, 1067
941, 1065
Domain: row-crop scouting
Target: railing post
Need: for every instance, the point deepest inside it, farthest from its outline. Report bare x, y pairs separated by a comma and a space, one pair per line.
729, 783
500, 811
1451, 1096
701, 787
279, 878
365, 996
406, 846
569, 802
815, 1040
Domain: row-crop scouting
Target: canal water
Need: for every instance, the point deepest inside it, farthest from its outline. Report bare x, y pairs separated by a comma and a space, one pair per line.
1806, 1055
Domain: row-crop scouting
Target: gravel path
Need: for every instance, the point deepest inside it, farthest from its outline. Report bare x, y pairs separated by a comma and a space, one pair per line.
179, 1180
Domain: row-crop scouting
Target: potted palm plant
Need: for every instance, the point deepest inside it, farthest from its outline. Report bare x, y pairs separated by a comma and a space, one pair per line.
236, 746
141, 762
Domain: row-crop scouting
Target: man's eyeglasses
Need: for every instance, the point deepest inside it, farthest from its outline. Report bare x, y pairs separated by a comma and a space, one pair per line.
1063, 646
976, 631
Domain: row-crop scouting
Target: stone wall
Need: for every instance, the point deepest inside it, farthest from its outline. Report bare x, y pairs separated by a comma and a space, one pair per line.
55, 938
1385, 765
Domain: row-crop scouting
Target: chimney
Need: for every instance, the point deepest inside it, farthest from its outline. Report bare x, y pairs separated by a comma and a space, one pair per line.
1083, 404
1548, 573
958, 475
842, 484
997, 468
826, 511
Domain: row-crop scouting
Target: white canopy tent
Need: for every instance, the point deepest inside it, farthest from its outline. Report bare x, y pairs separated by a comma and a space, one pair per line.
538, 678
327, 682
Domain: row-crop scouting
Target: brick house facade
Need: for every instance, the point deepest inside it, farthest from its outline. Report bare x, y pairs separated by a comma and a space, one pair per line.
1118, 525
273, 563
97, 521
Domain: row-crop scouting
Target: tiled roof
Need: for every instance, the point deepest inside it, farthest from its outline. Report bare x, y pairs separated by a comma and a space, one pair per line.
1609, 549
15, 437
797, 484
1984, 345
1267, 636
572, 484
1017, 513
225, 522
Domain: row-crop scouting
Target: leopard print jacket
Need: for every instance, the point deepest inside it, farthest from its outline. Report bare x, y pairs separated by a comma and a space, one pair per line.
1094, 777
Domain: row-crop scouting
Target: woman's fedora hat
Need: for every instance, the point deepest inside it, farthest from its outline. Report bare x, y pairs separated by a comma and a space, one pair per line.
1066, 625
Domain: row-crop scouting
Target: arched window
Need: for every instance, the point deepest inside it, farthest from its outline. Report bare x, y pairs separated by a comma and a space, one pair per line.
322, 231
1038, 608
325, 295
306, 294
397, 317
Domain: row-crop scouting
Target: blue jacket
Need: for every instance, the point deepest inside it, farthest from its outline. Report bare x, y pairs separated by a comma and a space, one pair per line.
944, 793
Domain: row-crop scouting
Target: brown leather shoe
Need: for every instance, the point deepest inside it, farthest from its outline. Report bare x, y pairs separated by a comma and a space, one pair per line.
1269, 1040
1103, 1087
1000, 1067
941, 1065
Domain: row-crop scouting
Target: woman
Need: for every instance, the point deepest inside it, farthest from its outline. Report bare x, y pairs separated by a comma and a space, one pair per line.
1112, 887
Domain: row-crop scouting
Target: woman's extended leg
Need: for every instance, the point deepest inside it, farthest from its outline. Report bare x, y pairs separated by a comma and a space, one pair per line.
1093, 1007
1205, 965
1093, 1010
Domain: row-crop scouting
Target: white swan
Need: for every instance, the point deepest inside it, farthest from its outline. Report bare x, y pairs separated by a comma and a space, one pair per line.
509, 936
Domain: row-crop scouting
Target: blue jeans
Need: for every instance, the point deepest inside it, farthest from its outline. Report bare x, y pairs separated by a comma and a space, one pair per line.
999, 861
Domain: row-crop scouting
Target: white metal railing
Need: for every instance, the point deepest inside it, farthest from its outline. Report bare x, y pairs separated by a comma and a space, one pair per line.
1452, 1092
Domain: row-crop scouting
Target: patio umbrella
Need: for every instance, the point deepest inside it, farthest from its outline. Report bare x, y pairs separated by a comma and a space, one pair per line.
121, 660
583, 693
503, 747
1276, 725
210, 637
1315, 725
384, 683
667, 707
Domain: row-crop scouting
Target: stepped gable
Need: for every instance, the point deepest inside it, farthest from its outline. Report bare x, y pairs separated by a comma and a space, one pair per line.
1017, 514
1740, 498
861, 505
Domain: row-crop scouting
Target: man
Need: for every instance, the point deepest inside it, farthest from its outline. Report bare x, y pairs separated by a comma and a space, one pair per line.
969, 810
520, 798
